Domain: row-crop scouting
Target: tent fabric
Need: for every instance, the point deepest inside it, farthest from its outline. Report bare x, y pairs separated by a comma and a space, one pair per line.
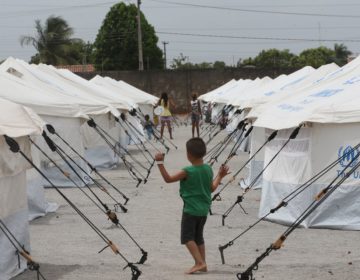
260, 97
292, 89
18, 225
15, 121
240, 88
138, 95
41, 101
207, 97
304, 157
97, 92
27, 122
52, 92
318, 103
69, 129
97, 152
253, 97
53, 87
222, 96
256, 165
125, 90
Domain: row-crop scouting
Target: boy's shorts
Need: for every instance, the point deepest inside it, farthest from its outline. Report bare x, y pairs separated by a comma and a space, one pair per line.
192, 228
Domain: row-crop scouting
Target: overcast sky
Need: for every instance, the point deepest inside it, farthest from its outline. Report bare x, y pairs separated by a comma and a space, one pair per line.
225, 30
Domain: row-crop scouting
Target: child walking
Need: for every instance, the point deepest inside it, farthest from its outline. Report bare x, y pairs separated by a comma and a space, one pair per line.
148, 126
196, 186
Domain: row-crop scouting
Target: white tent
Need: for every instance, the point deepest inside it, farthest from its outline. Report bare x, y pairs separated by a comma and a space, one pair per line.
307, 81
260, 98
17, 122
95, 107
97, 152
253, 97
140, 96
64, 112
330, 111
144, 100
243, 86
207, 97
217, 93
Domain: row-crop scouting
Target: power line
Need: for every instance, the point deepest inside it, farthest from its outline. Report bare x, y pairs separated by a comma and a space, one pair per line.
267, 27
255, 11
257, 38
30, 12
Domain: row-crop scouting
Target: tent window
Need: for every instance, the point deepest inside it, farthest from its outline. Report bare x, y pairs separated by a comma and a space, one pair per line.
14, 72
299, 145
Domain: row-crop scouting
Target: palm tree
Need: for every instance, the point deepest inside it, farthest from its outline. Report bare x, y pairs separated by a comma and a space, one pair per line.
53, 41
341, 54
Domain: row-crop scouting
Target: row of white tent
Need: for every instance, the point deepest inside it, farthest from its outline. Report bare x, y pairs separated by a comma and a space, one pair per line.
326, 102
32, 96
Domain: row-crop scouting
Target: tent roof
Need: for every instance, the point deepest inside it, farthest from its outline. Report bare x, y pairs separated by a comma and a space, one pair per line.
136, 92
242, 86
207, 97
123, 89
333, 99
94, 91
17, 120
42, 102
48, 85
256, 96
308, 82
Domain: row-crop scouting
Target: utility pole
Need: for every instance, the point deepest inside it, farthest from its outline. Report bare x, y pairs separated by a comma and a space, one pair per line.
165, 43
141, 62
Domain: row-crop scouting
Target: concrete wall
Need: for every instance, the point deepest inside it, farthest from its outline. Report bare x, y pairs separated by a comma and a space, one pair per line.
181, 84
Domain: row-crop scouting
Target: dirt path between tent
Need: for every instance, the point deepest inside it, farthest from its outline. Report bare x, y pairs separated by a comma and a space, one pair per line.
67, 248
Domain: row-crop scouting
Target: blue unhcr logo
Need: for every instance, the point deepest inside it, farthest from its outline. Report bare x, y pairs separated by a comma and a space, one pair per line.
348, 155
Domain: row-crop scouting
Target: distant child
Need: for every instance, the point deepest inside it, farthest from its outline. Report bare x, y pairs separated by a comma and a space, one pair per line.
195, 114
148, 126
196, 186
223, 122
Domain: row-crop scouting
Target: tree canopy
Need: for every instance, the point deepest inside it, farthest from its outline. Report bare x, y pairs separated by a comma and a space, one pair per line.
182, 62
116, 44
274, 58
53, 42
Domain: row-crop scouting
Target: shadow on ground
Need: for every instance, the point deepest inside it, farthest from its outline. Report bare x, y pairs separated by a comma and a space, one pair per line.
49, 271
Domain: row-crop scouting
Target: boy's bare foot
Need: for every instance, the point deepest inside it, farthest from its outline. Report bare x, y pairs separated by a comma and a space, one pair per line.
197, 268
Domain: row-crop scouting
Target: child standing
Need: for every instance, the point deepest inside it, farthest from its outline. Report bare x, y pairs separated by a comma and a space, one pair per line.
148, 126
195, 114
196, 186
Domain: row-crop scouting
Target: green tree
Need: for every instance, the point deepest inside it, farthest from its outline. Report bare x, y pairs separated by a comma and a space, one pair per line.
272, 58
316, 57
341, 54
80, 52
52, 41
219, 65
181, 62
116, 44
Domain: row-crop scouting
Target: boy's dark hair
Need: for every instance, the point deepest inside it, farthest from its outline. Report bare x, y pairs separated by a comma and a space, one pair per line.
147, 117
196, 147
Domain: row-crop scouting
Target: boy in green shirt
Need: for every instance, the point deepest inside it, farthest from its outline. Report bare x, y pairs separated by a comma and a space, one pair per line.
196, 186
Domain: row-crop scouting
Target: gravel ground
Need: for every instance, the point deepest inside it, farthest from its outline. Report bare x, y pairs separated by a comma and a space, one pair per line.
67, 248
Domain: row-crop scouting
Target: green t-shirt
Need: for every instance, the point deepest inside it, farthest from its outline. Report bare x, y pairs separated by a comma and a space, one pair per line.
195, 190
